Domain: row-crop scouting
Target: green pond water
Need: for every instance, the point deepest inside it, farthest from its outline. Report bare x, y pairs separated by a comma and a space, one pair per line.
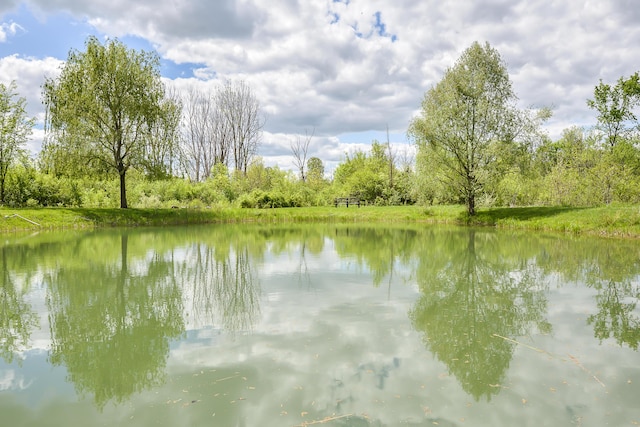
331, 325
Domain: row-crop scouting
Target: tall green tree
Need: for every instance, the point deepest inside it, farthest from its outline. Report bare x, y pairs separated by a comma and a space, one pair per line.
615, 106
468, 111
105, 104
15, 129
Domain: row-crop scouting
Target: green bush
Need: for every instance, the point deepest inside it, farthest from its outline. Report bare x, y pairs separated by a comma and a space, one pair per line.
269, 199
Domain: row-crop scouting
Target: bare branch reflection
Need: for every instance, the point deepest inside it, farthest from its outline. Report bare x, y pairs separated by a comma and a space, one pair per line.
224, 285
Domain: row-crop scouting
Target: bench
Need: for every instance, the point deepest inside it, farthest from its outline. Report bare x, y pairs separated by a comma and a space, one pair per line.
351, 200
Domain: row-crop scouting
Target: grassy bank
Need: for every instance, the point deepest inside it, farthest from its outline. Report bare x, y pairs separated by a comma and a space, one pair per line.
610, 221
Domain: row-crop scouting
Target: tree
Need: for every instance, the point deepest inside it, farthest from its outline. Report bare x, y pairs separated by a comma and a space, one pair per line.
204, 140
472, 107
299, 149
392, 160
105, 103
15, 129
220, 126
615, 105
241, 121
161, 145
315, 169
367, 175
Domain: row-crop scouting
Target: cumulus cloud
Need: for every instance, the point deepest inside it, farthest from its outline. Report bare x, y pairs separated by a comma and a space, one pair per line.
29, 75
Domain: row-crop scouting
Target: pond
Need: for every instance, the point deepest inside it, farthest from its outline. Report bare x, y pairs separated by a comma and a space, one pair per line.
321, 324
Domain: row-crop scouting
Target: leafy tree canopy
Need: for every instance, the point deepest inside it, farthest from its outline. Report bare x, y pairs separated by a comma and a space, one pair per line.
105, 104
465, 115
15, 129
615, 105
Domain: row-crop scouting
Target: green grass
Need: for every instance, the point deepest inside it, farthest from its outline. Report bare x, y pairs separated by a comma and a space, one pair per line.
610, 221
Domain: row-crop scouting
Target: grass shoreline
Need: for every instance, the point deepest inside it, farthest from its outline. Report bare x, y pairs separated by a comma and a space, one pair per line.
608, 221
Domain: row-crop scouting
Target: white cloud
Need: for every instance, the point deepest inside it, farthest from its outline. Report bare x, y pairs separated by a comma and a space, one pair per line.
9, 29
29, 75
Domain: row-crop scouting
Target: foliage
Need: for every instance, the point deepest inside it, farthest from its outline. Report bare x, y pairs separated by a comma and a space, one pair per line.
315, 171
15, 129
105, 104
272, 199
428, 186
367, 175
463, 118
108, 111
615, 106
160, 150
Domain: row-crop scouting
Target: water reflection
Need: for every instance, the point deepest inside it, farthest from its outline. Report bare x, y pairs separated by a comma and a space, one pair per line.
377, 248
132, 310
111, 322
616, 316
224, 285
17, 318
113, 313
613, 271
470, 299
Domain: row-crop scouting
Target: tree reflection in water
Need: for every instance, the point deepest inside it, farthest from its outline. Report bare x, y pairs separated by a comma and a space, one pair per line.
617, 316
224, 286
470, 294
114, 310
111, 324
17, 318
612, 269
112, 315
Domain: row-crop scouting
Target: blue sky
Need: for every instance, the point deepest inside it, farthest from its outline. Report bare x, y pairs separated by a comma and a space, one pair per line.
53, 35
346, 69
56, 34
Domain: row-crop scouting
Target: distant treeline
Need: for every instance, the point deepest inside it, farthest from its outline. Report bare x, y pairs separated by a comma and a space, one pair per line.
115, 136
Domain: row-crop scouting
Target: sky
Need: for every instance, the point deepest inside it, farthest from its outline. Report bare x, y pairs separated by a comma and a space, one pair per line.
342, 70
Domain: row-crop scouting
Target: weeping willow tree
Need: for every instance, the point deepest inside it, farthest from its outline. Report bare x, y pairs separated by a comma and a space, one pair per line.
105, 105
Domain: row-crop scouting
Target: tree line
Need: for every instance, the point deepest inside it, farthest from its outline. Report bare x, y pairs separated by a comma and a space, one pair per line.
116, 135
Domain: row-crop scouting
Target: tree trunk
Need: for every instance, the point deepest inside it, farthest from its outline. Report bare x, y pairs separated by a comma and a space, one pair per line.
471, 203
123, 190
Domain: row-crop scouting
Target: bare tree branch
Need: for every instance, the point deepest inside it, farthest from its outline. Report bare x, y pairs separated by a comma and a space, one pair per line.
300, 149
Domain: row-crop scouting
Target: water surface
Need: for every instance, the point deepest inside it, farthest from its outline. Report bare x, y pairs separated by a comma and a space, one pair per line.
336, 325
